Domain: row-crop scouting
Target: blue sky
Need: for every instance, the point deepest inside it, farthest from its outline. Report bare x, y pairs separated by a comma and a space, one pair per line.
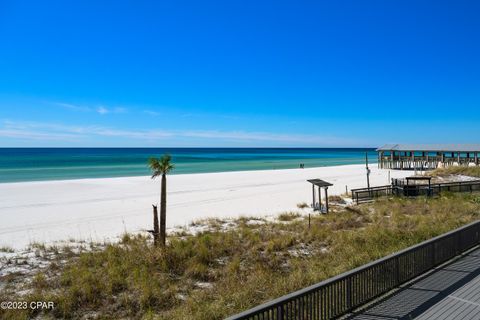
239, 73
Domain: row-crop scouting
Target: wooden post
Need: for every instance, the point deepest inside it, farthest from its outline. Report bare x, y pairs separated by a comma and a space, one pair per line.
476, 158
313, 196
326, 199
156, 226
320, 199
368, 171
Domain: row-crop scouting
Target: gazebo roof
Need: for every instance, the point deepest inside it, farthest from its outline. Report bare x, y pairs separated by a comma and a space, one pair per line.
431, 147
320, 183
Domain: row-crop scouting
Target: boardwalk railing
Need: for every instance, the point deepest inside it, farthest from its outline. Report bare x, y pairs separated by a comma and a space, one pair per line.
367, 194
463, 186
342, 294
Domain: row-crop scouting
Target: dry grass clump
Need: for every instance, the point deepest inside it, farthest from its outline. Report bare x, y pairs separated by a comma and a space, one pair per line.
214, 274
336, 199
288, 216
302, 205
6, 249
456, 170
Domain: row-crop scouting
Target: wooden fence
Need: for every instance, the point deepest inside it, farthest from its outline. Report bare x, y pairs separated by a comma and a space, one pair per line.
368, 194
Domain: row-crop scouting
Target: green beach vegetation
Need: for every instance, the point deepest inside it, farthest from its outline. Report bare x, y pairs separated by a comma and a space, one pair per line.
456, 170
6, 249
232, 265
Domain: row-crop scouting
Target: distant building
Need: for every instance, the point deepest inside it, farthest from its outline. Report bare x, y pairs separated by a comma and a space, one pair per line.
427, 156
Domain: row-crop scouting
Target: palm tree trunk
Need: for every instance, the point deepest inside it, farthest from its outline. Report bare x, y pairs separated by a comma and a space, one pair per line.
156, 226
163, 210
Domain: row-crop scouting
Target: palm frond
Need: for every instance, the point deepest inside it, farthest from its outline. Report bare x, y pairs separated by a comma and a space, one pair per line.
160, 166
155, 167
166, 164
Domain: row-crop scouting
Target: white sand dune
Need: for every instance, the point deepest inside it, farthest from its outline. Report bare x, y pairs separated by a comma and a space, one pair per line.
102, 209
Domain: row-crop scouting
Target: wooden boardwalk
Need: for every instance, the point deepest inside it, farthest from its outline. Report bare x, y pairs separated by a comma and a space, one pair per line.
448, 293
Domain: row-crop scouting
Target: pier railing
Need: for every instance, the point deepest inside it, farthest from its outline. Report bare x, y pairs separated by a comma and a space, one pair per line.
344, 293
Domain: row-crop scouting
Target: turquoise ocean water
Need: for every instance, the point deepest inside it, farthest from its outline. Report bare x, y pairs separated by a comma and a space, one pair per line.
36, 164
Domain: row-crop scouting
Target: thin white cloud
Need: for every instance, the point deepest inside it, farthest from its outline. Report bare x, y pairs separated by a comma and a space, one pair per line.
132, 134
59, 132
53, 131
152, 113
102, 110
35, 135
263, 137
43, 126
72, 107
119, 110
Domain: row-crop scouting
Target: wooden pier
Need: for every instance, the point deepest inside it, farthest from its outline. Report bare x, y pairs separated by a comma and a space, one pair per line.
427, 157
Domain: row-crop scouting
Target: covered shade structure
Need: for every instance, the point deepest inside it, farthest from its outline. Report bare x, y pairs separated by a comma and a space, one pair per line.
319, 184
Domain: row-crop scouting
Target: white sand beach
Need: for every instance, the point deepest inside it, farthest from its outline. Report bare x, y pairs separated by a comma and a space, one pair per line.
102, 209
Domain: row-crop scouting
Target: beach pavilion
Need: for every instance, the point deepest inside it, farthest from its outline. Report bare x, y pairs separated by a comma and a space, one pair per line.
427, 156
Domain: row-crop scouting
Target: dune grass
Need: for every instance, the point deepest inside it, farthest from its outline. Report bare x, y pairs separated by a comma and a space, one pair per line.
6, 249
288, 216
217, 273
456, 170
302, 205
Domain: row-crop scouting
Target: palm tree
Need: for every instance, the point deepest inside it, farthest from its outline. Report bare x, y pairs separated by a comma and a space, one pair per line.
161, 167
